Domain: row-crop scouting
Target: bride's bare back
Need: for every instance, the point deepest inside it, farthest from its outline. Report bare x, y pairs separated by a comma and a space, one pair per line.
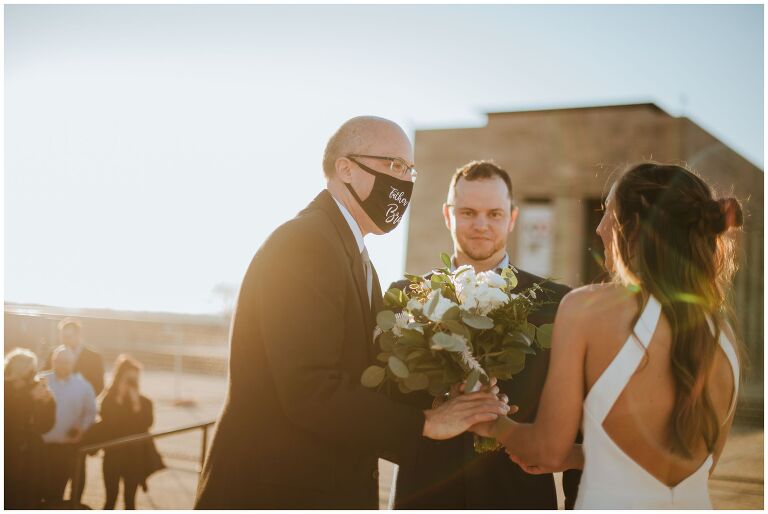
640, 422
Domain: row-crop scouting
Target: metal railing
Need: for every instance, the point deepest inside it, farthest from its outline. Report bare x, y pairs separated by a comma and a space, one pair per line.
83, 451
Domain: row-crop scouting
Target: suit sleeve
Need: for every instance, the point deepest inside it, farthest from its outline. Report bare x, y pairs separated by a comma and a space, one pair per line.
301, 305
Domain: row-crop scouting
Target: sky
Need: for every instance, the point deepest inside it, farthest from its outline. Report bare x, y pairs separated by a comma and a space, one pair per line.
149, 150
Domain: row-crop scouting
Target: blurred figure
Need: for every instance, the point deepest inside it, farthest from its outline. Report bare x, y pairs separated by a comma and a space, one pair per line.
88, 361
30, 410
125, 411
75, 413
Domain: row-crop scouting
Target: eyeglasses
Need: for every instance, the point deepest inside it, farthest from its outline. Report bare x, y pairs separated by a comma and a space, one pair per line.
399, 167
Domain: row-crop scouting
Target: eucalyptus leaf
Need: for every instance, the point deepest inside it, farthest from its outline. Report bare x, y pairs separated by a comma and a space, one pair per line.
544, 335
477, 321
436, 282
454, 313
395, 297
415, 354
417, 381
411, 337
383, 357
473, 380
514, 361
446, 260
430, 306
447, 342
510, 277
387, 341
457, 327
398, 367
414, 278
385, 320
372, 376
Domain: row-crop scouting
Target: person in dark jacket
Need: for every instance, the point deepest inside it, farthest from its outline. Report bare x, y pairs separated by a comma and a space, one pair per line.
480, 215
88, 360
30, 411
298, 430
124, 412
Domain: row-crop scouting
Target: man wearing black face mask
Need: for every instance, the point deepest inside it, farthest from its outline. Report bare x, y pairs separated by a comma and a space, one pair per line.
298, 431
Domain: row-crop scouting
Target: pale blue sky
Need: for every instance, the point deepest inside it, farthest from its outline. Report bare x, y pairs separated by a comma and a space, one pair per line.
149, 150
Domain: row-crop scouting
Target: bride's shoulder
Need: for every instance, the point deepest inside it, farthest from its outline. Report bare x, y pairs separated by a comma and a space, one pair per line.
597, 301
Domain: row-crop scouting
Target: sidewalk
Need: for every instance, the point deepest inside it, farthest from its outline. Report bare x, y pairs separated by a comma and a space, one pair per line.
736, 484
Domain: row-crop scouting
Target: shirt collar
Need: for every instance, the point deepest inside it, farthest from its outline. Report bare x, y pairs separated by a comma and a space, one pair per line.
352, 225
503, 263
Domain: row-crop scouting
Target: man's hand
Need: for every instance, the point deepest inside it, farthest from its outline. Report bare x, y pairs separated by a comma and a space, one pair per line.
457, 415
74, 434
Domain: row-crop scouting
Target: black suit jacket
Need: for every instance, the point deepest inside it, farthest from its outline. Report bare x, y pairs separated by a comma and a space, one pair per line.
90, 365
297, 429
451, 475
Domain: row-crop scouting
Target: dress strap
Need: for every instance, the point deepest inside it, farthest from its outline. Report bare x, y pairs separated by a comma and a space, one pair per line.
609, 386
730, 353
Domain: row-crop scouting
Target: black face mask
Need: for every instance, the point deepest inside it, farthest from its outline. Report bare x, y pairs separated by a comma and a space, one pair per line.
388, 200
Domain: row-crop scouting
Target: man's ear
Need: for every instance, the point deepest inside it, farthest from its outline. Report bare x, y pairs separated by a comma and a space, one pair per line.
513, 218
343, 169
447, 216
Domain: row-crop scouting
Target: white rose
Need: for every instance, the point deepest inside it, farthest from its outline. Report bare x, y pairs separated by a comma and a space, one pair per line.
467, 297
443, 305
489, 298
492, 278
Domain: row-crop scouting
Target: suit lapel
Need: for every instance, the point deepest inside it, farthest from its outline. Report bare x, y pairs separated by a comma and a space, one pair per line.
327, 204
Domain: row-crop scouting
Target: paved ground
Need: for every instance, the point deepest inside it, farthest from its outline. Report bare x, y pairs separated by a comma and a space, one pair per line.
737, 483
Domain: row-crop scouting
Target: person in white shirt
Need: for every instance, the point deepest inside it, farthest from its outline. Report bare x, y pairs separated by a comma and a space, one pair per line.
75, 413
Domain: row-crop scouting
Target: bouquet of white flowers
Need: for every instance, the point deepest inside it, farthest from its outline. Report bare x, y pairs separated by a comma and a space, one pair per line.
456, 326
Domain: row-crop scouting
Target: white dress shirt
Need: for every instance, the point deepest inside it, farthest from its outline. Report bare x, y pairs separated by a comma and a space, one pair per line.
75, 407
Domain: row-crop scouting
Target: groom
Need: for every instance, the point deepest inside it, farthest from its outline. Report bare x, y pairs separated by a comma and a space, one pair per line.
297, 430
481, 215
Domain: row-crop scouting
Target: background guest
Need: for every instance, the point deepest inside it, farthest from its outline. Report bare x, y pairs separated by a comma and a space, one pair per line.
88, 360
75, 413
29, 411
124, 412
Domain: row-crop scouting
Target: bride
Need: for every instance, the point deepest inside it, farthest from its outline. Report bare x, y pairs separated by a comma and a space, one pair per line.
646, 365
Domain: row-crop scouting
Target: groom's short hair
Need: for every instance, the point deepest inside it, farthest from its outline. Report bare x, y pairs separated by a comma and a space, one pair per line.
479, 170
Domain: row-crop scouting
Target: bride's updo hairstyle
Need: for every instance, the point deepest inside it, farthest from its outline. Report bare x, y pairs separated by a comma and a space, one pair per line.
669, 239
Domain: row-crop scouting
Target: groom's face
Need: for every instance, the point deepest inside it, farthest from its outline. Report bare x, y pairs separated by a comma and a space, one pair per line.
480, 217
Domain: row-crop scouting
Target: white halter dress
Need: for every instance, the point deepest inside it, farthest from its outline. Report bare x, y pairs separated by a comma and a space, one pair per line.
611, 479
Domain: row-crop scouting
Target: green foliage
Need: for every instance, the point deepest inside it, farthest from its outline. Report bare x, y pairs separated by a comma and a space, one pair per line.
398, 367
477, 321
448, 342
426, 355
373, 376
395, 298
385, 320
544, 335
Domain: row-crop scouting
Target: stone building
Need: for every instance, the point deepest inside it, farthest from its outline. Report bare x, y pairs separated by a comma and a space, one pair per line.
562, 162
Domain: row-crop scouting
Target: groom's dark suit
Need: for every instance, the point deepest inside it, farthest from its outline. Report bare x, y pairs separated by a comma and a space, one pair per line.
450, 475
297, 429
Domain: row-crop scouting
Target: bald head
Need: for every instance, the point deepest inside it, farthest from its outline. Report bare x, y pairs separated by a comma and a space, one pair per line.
364, 135
63, 361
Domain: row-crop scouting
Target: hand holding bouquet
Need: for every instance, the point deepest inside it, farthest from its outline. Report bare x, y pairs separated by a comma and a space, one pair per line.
456, 326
